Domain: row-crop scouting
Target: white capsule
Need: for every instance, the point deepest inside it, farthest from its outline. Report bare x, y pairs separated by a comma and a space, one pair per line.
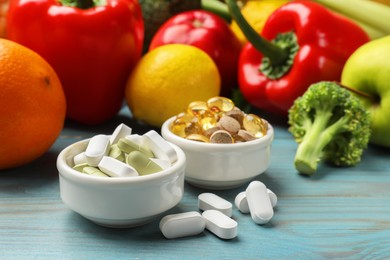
159, 146
98, 146
208, 201
182, 224
115, 168
79, 159
120, 131
259, 202
219, 224
241, 201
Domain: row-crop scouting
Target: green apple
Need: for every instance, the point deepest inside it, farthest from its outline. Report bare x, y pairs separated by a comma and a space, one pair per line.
368, 70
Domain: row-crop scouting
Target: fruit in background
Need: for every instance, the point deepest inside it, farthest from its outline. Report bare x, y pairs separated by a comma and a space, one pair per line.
3, 17
33, 105
208, 32
368, 70
92, 50
167, 79
256, 14
156, 12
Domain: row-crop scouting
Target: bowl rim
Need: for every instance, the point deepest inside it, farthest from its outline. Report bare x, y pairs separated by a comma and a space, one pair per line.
263, 141
67, 171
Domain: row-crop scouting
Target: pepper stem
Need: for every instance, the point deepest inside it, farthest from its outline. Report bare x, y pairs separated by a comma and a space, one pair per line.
274, 53
83, 4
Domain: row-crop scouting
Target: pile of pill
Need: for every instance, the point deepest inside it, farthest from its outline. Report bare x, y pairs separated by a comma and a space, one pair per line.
218, 120
217, 213
124, 154
258, 201
216, 217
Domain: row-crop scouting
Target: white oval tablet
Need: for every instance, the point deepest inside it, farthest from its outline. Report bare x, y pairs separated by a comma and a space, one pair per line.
208, 201
259, 202
115, 168
219, 224
272, 197
159, 146
241, 201
79, 159
182, 224
120, 131
98, 146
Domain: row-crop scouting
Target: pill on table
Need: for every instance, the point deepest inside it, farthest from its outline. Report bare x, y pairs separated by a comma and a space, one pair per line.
128, 146
159, 146
115, 168
98, 146
259, 202
241, 201
142, 163
182, 224
120, 131
220, 224
207, 201
79, 158
272, 197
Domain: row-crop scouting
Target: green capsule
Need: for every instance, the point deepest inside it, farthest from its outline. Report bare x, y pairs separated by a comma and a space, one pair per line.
142, 163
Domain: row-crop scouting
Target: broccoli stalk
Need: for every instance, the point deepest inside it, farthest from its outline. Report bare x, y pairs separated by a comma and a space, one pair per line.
329, 123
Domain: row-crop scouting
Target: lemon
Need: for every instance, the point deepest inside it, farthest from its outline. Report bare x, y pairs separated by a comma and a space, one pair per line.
167, 79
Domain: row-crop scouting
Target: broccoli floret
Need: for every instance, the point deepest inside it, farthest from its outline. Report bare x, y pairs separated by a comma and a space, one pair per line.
329, 123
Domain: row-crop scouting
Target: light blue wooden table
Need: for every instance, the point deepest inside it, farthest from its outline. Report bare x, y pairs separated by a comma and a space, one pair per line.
341, 213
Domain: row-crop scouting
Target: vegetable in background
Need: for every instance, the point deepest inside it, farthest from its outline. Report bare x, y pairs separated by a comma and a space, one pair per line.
92, 50
373, 17
208, 32
330, 124
302, 43
368, 70
256, 14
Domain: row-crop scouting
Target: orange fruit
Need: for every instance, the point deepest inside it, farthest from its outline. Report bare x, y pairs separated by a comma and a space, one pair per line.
32, 105
167, 79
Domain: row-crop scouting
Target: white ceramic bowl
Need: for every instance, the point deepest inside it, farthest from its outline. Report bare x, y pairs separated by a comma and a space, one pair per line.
119, 201
222, 166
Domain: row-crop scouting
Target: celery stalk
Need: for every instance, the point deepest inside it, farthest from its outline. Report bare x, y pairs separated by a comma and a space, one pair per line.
374, 15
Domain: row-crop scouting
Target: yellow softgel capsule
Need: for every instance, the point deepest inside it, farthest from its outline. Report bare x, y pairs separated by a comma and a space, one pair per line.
197, 107
198, 138
193, 128
254, 125
178, 129
220, 104
208, 122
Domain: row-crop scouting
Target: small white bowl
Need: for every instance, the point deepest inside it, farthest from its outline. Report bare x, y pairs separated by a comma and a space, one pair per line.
119, 201
222, 166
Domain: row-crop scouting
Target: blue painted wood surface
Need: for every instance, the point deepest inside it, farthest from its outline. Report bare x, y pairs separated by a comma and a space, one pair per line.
340, 213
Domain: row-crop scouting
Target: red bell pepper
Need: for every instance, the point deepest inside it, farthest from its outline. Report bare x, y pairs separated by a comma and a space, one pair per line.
208, 32
302, 43
92, 49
